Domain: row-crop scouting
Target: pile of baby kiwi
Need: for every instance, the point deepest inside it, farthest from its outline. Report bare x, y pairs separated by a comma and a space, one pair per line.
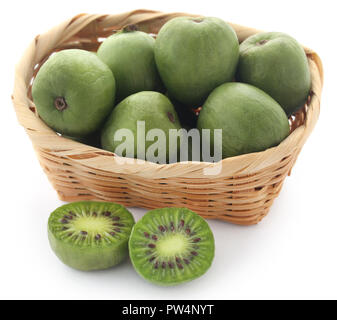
193, 75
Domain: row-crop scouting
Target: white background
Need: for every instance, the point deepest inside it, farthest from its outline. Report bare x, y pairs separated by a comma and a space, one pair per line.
290, 254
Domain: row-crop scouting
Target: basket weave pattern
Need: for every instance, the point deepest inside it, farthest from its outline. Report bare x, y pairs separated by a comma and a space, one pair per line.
241, 193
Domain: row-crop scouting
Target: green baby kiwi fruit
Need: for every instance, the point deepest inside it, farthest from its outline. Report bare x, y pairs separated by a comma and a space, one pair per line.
250, 120
277, 64
90, 235
194, 56
130, 56
151, 109
171, 246
74, 92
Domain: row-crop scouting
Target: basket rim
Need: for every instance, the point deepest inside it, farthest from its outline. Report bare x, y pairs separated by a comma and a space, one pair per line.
249, 163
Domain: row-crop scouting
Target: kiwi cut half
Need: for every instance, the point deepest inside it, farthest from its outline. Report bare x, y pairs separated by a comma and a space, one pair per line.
90, 235
171, 246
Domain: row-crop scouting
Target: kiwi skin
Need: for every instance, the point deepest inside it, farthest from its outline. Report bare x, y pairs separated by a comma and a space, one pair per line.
182, 272
87, 259
95, 255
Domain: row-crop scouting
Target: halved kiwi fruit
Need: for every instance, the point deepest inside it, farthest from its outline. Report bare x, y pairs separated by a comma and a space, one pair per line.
90, 235
170, 246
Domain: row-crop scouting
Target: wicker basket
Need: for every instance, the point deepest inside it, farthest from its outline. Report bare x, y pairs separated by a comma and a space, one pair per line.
241, 193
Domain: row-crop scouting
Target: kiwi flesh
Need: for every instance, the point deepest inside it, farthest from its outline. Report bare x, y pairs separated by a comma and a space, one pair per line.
171, 246
90, 235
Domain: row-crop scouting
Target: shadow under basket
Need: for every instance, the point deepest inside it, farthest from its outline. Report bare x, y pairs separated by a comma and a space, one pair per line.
243, 190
